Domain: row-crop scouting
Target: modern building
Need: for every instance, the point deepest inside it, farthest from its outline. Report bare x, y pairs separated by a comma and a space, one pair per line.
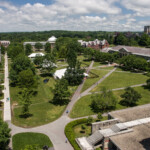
5, 43
127, 50
147, 29
96, 44
51, 40
127, 129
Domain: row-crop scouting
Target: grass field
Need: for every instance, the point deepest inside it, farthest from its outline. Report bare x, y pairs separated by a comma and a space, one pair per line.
119, 79
82, 107
22, 139
94, 76
41, 109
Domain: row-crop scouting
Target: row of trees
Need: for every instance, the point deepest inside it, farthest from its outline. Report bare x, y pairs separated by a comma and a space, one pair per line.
120, 38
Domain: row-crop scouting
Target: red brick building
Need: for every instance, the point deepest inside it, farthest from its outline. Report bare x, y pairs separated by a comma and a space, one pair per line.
96, 44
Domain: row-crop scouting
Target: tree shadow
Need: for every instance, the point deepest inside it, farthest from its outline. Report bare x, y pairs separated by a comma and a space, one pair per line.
46, 75
25, 116
146, 143
62, 103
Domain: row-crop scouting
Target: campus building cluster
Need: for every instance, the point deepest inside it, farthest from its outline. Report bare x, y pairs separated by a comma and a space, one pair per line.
96, 44
51, 40
127, 129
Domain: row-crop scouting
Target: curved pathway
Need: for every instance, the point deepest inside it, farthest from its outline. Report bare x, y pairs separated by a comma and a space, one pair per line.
54, 130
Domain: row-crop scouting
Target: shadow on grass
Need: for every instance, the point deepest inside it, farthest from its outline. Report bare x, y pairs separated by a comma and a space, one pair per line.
25, 116
61, 103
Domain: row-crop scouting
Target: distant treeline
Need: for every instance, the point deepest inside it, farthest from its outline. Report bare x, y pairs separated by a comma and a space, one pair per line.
116, 38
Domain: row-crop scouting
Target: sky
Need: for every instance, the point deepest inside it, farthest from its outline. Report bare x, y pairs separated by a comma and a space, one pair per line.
74, 15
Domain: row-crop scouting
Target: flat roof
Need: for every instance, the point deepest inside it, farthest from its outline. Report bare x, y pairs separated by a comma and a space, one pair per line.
139, 139
132, 113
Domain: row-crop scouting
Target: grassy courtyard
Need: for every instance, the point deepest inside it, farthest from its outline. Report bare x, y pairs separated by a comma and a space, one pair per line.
41, 109
22, 139
82, 107
121, 79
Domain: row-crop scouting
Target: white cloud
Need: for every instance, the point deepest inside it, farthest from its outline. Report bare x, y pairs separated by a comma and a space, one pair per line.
69, 15
140, 7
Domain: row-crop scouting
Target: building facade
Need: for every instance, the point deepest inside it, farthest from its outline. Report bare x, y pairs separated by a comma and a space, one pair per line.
96, 44
147, 29
51, 40
5, 43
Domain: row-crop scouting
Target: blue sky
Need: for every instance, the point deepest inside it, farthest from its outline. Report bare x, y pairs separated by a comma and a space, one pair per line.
79, 15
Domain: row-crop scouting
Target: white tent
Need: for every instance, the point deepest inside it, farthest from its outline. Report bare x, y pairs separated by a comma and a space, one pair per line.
60, 73
33, 55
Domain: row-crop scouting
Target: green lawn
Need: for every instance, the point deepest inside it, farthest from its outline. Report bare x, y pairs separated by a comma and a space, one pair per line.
88, 130
118, 80
94, 76
43, 112
41, 109
82, 106
22, 139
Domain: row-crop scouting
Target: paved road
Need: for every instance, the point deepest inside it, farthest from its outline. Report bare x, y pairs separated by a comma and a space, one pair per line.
76, 95
7, 107
118, 89
54, 130
95, 84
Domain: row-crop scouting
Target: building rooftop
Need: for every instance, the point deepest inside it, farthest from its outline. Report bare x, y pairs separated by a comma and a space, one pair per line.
139, 139
133, 113
134, 50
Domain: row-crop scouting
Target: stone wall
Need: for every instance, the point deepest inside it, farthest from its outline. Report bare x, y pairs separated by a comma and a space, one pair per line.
104, 124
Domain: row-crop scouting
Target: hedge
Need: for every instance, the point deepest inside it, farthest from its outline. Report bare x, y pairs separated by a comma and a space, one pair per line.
70, 132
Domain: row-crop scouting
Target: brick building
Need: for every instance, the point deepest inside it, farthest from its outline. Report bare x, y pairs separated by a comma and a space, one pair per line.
96, 44
5, 43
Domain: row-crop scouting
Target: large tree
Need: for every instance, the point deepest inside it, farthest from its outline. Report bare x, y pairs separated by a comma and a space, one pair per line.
26, 79
148, 83
25, 100
130, 97
4, 135
103, 102
20, 63
48, 63
74, 76
38, 60
48, 48
38, 46
28, 49
61, 92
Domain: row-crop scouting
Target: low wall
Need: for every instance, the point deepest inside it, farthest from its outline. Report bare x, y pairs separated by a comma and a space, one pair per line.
99, 125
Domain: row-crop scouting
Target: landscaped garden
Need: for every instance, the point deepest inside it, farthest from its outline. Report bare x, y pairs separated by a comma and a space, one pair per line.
21, 140
80, 128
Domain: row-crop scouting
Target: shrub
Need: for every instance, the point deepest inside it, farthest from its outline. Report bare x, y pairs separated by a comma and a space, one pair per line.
89, 120
70, 132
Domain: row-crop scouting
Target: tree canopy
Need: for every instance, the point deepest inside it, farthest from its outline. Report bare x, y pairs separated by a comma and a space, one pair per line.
4, 135
130, 97
103, 102
61, 92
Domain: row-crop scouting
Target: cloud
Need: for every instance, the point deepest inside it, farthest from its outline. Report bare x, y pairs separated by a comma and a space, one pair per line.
71, 15
140, 7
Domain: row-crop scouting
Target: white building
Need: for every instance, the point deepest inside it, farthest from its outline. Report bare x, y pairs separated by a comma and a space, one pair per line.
51, 40
60, 73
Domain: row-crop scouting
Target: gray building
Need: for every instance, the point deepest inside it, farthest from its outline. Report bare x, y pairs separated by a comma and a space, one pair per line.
147, 29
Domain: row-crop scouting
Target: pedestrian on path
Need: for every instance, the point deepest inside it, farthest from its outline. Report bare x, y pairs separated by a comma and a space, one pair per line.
66, 140
67, 111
